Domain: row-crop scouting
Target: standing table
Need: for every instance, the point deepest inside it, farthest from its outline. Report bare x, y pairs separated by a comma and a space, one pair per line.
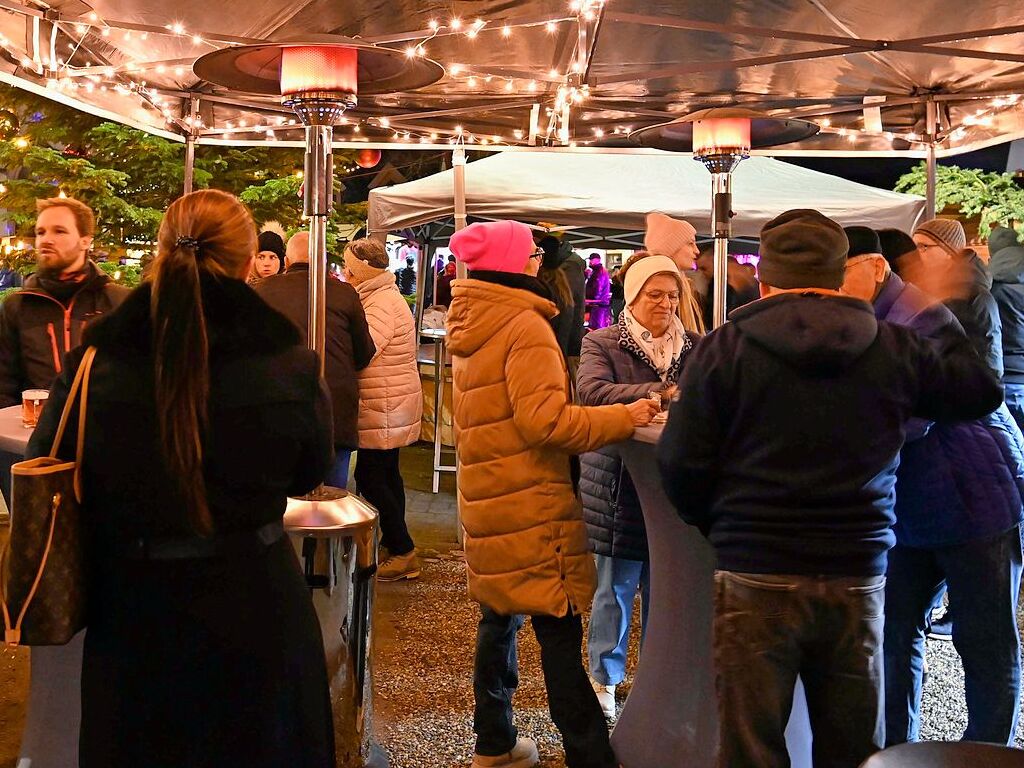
50, 739
438, 336
670, 717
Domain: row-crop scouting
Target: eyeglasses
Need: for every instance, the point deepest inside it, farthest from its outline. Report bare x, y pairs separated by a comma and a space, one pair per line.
658, 296
859, 260
538, 254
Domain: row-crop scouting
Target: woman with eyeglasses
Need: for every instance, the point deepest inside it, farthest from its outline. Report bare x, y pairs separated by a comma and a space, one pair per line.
516, 435
640, 355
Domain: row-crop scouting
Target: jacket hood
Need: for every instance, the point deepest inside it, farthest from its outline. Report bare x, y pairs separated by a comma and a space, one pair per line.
480, 309
1002, 237
818, 334
1007, 260
979, 277
238, 322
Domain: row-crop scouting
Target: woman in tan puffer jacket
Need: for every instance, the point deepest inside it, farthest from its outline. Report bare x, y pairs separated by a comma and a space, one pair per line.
516, 435
390, 402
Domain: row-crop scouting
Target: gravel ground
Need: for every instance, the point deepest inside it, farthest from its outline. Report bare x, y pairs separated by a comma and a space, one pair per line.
423, 671
943, 710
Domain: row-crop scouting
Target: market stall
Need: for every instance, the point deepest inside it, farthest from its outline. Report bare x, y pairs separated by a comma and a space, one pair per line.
615, 190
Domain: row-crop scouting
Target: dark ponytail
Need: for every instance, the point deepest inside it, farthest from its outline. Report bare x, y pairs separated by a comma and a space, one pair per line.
212, 232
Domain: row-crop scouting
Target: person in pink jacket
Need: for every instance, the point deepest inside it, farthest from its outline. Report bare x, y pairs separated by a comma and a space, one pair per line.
390, 402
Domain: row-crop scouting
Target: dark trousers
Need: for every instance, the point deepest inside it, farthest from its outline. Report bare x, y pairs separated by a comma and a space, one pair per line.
571, 699
379, 481
983, 580
768, 630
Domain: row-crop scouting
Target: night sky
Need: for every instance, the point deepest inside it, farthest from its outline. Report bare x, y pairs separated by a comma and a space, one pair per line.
884, 171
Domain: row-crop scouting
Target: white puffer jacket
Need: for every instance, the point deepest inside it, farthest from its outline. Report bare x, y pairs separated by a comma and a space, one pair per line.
390, 394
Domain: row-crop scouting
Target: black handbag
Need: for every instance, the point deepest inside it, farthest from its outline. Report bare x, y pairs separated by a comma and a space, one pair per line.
42, 570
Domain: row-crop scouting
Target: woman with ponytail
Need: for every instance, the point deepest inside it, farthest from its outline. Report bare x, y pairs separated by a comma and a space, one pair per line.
203, 648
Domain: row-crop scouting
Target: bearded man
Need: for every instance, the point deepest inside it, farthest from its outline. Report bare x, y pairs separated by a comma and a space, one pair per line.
42, 322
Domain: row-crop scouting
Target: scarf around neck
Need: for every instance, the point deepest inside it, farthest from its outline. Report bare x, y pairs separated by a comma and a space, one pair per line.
663, 354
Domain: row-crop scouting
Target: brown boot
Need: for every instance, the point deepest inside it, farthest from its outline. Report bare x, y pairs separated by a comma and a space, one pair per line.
397, 567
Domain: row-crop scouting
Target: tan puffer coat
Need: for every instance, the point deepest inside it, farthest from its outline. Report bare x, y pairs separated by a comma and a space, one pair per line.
390, 394
515, 430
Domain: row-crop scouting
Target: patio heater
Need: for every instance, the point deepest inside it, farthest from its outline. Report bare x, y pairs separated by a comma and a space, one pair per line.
720, 138
319, 77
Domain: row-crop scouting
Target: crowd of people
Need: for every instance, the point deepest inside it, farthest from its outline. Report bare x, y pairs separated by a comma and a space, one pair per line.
842, 442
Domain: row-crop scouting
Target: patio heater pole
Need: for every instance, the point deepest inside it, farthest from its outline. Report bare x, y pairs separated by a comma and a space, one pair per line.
931, 126
721, 168
720, 144
316, 204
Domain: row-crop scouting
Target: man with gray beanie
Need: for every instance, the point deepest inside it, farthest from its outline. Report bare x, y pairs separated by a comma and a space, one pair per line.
782, 449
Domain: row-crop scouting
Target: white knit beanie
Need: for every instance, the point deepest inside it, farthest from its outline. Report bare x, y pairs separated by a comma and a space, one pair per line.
641, 271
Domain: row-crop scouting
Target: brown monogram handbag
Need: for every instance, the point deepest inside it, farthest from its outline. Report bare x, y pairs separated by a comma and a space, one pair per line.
42, 571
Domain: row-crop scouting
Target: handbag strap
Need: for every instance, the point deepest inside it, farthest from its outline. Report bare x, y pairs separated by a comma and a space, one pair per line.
81, 382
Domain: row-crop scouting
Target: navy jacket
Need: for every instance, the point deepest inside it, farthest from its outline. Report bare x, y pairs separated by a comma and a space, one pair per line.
574, 267
784, 444
978, 313
1007, 266
614, 370
957, 481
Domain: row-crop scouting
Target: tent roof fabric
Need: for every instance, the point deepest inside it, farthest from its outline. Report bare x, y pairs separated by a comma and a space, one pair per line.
868, 66
617, 191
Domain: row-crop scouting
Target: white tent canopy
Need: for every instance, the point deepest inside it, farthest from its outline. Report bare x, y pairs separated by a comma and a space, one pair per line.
616, 191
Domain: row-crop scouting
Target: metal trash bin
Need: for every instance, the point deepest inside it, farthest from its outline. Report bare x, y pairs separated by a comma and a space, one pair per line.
335, 534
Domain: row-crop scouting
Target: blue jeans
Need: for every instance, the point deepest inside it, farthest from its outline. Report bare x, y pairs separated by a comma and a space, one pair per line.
768, 630
337, 475
1014, 394
571, 699
612, 613
983, 579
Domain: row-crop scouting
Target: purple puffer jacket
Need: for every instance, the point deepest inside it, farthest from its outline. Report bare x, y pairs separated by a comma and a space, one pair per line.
958, 481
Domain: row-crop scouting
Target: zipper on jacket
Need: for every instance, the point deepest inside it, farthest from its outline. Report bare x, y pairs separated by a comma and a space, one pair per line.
53, 345
67, 326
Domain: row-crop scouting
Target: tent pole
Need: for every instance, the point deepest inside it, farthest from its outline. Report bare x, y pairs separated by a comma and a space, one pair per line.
459, 180
190, 143
931, 117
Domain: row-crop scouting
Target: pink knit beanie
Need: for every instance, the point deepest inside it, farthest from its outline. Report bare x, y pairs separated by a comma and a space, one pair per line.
665, 235
496, 246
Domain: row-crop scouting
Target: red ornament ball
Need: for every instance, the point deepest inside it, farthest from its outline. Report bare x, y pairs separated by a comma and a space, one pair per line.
367, 158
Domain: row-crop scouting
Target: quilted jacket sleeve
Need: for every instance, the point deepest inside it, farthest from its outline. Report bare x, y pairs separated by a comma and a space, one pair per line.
538, 391
596, 382
381, 321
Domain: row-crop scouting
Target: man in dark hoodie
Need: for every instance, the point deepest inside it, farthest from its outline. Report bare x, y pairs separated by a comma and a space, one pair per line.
44, 321
782, 449
1006, 263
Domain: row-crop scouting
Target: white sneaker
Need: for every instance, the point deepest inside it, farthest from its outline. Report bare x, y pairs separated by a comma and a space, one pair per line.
523, 755
606, 698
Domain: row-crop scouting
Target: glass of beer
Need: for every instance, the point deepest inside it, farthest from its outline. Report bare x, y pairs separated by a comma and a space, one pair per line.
32, 402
